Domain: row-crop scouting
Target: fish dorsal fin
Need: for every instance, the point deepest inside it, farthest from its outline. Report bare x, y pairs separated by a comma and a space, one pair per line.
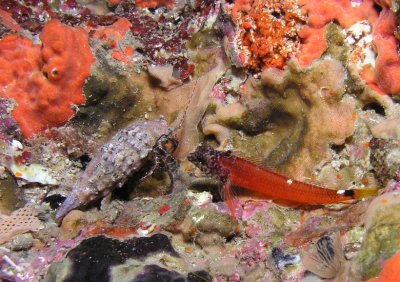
251, 159
326, 260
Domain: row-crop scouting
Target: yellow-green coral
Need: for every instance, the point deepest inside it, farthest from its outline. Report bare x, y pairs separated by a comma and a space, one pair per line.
383, 233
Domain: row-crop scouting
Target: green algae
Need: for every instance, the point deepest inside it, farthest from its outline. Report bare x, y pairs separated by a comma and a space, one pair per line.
275, 222
337, 47
209, 220
9, 200
282, 219
208, 227
381, 243
381, 240
111, 98
204, 39
58, 271
355, 234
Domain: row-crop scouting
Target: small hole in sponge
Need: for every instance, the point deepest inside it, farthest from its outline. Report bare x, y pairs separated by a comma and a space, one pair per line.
54, 72
377, 7
375, 107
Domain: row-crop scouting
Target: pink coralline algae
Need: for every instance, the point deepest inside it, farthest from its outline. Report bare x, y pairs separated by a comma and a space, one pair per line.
252, 254
32, 15
164, 41
154, 3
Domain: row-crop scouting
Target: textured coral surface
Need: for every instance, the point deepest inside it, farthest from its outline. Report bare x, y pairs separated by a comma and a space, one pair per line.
45, 81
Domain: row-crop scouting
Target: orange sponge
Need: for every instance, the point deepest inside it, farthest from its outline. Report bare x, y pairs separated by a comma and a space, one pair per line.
390, 271
313, 46
45, 81
387, 68
113, 35
320, 13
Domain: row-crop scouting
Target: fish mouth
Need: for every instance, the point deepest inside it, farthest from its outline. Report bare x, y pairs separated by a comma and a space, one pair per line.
202, 156
199, 155
70, 203
192, 158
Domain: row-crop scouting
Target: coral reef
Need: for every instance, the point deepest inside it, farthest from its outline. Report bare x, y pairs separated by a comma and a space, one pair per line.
96, 251
208, 227
112, 36
8, 125
104, 102
9, 198
292, 104
384, 159
389, 271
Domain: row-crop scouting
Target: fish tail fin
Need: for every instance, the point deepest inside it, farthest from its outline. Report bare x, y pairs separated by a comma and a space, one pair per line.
360, 194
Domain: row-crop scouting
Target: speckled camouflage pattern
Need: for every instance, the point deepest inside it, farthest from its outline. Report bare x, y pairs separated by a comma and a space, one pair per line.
115, 162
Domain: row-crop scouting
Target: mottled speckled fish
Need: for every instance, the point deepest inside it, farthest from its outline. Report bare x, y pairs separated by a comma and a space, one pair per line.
115, 162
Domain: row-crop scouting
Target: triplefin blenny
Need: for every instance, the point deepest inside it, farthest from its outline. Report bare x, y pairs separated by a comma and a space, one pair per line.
236, 171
